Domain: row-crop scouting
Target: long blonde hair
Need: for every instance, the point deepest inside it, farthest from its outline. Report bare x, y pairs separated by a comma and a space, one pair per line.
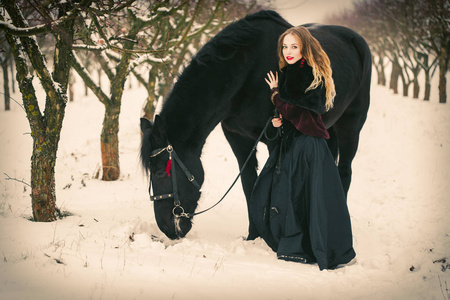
312, 51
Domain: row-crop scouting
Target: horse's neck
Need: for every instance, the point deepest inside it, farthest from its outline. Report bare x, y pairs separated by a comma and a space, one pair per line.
200, 99
190, 125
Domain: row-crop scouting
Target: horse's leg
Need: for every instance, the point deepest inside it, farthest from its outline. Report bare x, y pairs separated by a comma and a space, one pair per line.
241, 147
348, 128
333, 143
348, 144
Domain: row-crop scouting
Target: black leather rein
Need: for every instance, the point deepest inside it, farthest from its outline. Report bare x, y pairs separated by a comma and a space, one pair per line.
178, 210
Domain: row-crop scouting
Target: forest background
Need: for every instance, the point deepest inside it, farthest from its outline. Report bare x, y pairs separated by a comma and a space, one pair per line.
153, 41
49, 49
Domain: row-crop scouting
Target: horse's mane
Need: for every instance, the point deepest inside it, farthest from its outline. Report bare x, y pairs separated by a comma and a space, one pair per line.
146, 149
221, 48
239, 34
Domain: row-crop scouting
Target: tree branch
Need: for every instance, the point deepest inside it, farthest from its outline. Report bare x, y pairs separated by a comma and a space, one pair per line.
89, 47
76, 64
32, 49
15, 179
188, 28
24, 32
25, 80
207, 24
27, 31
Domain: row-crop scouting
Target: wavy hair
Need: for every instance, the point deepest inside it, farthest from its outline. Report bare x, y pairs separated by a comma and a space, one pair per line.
314, 55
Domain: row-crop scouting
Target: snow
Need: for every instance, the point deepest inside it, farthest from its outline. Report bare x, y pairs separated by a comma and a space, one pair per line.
89, 47
111, 248
27, 30
151, 58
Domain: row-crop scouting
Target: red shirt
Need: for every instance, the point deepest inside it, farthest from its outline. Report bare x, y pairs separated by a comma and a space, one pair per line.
304, 120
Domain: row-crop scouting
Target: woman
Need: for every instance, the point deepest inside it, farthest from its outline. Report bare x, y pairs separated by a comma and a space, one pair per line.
298, 203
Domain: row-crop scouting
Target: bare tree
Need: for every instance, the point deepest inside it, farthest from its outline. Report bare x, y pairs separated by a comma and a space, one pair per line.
119, 27
161, 74
5, 55
413, 35
46, 126
152, 36
435, 32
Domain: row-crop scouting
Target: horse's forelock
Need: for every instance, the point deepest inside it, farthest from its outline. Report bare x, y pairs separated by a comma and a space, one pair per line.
146, 150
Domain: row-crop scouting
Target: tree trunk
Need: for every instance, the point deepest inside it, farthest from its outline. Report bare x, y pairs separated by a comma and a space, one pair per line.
379, 67
110, 143
442, 79
43, 199
416, 87
99, 74
382, 75
110, 131
149, 108
427, 86
6, 84
150, 105
45, 129
43, 182
405, 83
13, 83
70, 88
395, 74
405, 89
71, 94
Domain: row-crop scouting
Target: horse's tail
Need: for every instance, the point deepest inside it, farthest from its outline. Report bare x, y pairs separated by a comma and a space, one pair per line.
365, 57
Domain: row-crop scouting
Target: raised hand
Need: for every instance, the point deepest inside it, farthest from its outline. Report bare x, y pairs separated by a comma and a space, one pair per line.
272, 80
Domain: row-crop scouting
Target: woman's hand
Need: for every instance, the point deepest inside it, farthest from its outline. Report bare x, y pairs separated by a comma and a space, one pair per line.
277, 122
272, 80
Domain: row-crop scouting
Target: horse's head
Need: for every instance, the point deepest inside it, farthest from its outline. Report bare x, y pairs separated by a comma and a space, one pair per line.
176, 175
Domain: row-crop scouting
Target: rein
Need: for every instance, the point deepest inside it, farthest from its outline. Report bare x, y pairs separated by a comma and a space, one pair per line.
178, 210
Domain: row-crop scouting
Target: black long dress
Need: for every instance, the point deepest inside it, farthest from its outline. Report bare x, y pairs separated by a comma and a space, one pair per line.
298, 204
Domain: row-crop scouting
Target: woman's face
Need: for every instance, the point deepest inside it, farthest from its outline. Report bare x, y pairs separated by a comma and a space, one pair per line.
291, 49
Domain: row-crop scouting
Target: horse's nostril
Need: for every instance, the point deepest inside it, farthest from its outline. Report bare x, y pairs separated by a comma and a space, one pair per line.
182, 226
178, 229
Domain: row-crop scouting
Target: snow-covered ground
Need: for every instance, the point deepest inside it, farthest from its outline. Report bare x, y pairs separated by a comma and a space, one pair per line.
111, 248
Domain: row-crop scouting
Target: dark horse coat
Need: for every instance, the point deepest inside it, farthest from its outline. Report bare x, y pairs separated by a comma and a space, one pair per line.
224, 83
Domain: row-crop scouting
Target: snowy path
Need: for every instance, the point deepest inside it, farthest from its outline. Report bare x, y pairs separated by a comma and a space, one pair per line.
110, 247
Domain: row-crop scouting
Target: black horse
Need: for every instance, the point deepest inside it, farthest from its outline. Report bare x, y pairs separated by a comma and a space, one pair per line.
225, 83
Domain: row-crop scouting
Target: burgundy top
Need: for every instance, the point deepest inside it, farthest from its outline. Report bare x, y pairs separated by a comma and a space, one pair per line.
304, 120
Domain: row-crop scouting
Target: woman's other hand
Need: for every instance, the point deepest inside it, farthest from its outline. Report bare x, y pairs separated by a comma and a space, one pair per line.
272, 80
277, 122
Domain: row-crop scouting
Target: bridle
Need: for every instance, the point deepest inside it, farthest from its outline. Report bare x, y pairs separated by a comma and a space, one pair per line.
178, 210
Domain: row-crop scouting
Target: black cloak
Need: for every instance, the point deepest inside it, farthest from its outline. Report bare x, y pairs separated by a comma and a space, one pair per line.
294, 81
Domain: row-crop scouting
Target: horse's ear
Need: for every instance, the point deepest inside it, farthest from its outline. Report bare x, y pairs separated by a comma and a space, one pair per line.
159, 129
145, 124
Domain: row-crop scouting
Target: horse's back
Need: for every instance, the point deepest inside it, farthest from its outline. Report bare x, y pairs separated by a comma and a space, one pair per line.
351, 63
